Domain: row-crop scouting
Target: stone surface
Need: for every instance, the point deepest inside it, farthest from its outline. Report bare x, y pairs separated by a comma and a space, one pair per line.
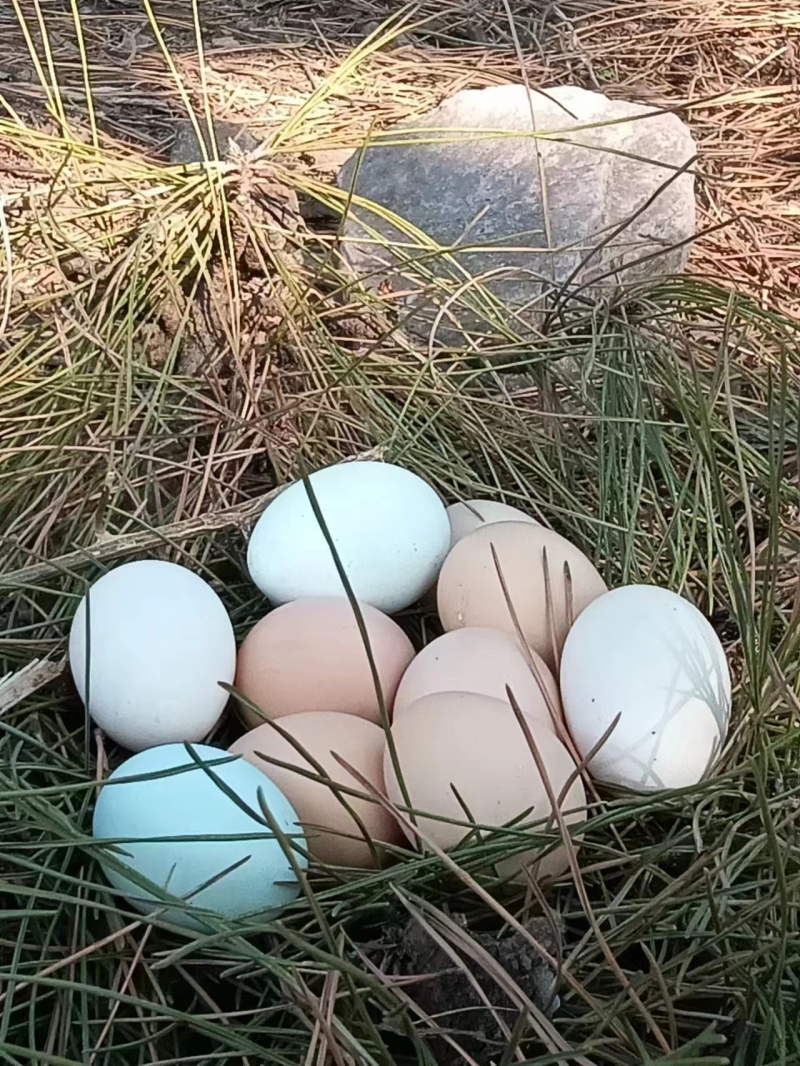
186, 147
612, 212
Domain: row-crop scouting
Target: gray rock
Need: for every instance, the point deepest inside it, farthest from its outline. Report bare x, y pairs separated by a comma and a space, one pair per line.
613, 212
186, 147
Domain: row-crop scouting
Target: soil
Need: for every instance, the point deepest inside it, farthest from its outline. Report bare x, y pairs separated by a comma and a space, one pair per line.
462, 997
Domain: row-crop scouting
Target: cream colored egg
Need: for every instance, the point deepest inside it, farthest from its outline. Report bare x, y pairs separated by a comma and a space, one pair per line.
332, 832
309, 655
483, 661
458, 750
473, 514
531, 558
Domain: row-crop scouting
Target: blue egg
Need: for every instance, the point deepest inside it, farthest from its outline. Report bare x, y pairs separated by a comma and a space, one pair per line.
227, 861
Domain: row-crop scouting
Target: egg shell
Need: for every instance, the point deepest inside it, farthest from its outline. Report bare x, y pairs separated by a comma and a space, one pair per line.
332, 833
191, 804
160, 643
469, 515
389, 527
470, 593
471, 742
309, 655
483, 661
650, 656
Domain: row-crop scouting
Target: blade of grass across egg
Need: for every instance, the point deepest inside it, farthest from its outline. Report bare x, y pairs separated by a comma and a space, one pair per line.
560, 727
318, 773
470, 825
468, 813
555, 717
300, 876
551, 613
569, 599
168, 900
362, 631
223, 786
556, 815
581, 763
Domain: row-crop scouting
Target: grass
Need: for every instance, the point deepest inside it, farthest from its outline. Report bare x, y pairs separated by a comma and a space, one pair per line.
661, 434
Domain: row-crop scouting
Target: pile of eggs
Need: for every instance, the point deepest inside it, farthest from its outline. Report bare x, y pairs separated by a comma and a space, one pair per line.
356, 746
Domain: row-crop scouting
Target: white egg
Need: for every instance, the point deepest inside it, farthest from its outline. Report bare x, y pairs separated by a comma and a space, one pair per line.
159, 642
389, 527
649, 656
466, 516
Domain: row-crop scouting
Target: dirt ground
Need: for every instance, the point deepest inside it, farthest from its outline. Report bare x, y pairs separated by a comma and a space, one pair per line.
730, 67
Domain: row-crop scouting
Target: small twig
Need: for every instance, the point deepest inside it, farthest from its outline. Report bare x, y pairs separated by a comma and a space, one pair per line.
16, 687
176, 533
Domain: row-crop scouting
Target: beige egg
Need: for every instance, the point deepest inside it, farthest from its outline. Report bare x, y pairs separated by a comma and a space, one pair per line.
474, 514
309, 655
483, 661
470, 593
332, 833
469, 744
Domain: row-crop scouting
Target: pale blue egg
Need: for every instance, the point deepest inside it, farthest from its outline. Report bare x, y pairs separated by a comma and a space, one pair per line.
228, 861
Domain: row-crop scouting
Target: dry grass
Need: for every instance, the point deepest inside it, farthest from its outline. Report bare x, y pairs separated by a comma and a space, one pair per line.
731, 68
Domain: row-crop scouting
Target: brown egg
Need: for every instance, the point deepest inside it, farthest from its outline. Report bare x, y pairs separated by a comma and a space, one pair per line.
482, 661
308, 655
332, 833
474, 514
469, 592
468, 743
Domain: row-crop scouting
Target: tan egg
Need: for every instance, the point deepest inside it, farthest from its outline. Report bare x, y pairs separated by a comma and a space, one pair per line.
332, 833
483, 661
470, 593
308, 655
464, 742
474, 514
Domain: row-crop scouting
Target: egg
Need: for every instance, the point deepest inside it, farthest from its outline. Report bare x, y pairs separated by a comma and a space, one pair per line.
483, 661
473, 514
470, 593
159, 642
227, 860
389, 527
649, 656
333, 834
466, 743
309, 655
